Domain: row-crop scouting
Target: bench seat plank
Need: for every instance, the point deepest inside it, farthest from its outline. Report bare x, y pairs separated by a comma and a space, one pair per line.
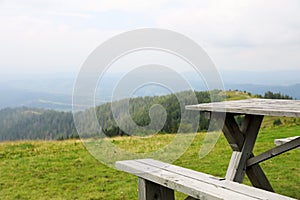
192, 183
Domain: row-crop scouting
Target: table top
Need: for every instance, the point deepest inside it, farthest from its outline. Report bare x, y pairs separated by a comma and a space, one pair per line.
267, 107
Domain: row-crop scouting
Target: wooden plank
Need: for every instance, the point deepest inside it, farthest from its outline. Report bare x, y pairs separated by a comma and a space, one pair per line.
274, 152
245, 124
237, 167
196, 181
233, 165
214, 180
255, 173
191, 187
258, 178
232, 133
148, 190
142, 193
250, 137
267, 107
281, 141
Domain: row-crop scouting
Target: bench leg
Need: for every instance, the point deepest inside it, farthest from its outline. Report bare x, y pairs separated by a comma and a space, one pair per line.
148, 190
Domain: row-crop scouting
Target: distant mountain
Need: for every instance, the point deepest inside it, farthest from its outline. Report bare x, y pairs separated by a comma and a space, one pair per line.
13, 97
270, 77
49, 94
56, 93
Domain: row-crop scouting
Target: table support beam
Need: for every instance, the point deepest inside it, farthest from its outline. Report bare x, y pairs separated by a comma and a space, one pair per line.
251, 132
258, 178
274, 152
232, 133
242, 142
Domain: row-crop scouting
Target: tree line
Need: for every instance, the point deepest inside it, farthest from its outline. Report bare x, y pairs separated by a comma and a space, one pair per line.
275, 95
32, 123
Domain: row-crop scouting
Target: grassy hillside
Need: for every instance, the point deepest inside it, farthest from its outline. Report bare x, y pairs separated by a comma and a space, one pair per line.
65, 170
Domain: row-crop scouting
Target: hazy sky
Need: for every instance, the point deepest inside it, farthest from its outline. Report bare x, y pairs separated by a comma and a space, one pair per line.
54, 36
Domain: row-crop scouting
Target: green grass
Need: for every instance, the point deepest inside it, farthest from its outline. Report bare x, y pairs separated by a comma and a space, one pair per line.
66, 170
237, 95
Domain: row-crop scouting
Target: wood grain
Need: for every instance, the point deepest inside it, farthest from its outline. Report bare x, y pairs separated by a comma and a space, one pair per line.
195, 184
267, 107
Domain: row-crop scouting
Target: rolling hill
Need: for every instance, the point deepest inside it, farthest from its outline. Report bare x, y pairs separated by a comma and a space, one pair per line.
25, 123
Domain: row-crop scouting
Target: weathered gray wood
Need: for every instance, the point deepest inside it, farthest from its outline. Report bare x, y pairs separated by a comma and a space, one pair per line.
232, 133
242, 139
233, 165
148, 190
235, 137
267, 107
250, 137
281, 141
274, 152
142, 189
258, 178
170, 180
195, 184
246, 123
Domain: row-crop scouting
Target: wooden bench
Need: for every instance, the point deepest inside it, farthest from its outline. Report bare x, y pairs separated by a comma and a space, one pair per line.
158, 180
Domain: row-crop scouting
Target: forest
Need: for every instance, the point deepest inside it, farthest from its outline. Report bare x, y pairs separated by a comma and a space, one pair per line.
24, 123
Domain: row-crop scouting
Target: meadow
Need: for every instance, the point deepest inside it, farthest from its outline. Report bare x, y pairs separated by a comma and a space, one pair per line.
66, 170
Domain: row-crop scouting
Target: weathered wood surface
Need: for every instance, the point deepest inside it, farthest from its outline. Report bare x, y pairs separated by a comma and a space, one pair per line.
242, 139
149, 190
237, 138
251, 132
267, 107
281, 141
291, 143
195, 184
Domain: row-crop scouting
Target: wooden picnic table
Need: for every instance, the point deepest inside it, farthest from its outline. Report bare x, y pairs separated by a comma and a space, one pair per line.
242, 138
158, 180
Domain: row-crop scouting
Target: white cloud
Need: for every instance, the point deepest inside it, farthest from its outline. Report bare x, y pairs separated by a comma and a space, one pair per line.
248, 34
33, 44
230, 22
121, 5
241, 34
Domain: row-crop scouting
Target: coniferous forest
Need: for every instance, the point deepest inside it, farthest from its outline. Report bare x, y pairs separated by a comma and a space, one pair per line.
32, 123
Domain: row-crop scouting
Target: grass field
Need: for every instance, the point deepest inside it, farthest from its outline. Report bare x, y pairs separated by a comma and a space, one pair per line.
66, 170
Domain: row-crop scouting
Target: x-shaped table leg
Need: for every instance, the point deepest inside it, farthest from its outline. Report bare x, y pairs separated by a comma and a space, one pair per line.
242, 140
